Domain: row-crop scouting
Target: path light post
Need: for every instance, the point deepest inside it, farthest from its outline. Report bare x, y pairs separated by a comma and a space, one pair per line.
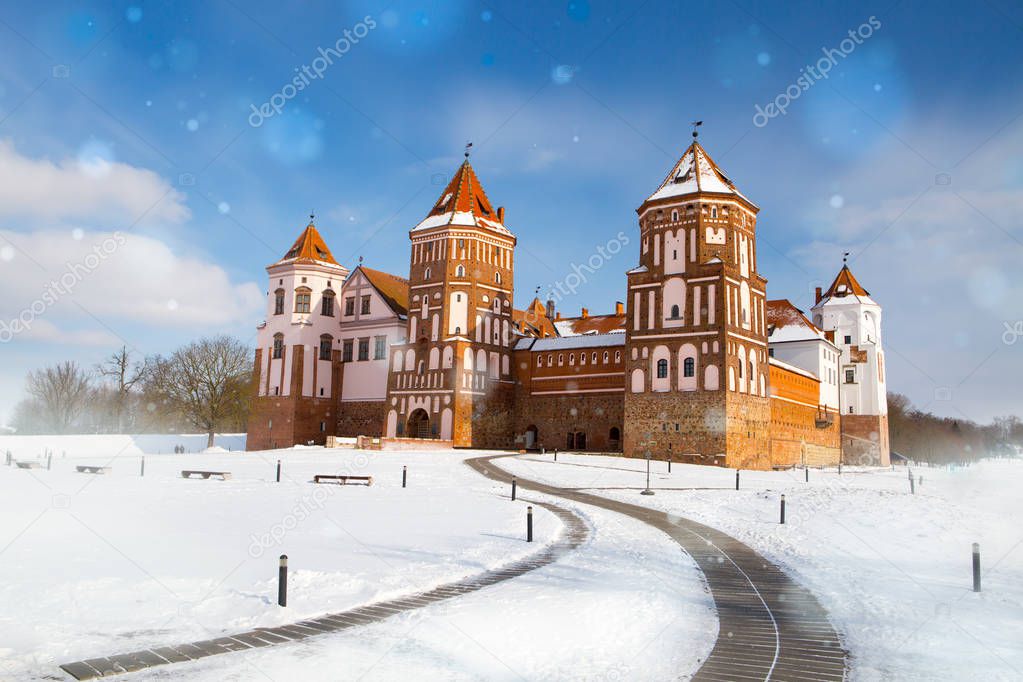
278, 471
529, 523
736, 479
514, 483
807, 469
142, 466
783, 509
976, 567
648, 491
282, 581
404, 476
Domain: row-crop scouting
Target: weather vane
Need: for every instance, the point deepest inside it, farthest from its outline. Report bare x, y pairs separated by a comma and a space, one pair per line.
696, 124
468, 146
312, 216
845, 258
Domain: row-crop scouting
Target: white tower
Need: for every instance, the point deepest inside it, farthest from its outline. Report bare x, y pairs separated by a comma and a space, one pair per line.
855, 318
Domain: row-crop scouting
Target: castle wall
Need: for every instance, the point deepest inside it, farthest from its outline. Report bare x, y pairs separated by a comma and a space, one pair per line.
865, 440
361, 418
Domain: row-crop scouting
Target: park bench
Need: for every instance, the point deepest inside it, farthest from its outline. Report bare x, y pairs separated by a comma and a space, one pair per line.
29, 465
342, 480
222, 475
89, 469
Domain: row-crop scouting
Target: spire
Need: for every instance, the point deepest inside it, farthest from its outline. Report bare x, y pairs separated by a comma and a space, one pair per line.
464, 202
310, 246
845, 284
695, 173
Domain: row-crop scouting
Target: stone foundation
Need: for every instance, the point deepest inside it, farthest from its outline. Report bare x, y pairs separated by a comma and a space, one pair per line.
865, 440
362, 418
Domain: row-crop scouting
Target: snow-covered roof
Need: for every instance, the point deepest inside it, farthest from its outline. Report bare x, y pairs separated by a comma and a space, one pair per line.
844, 290
572, 342
463, 202
786, 322
695, 172
792, 368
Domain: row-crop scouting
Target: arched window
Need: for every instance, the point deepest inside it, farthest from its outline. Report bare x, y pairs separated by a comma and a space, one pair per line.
427, 273
674, 216
689, 367
713, 211
279, 302
460, 271
605, 357
662, 369
326, 344
497, 277
302, 300
327, 304
674, 312
278, 351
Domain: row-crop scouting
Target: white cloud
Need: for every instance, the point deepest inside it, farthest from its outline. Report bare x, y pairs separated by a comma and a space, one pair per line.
90, 189
117, 278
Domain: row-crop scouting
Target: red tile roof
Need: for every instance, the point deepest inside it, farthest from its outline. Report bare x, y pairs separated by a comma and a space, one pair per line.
310, 247
392, 288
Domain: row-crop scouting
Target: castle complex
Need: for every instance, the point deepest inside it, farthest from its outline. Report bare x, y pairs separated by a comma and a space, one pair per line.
695, 364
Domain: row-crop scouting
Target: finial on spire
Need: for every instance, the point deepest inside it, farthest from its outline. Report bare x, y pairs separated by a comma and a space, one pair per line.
312, 216
468, 146
360, 260
845, 258
696, 124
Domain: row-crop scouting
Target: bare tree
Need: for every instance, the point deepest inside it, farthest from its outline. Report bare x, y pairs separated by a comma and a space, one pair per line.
206, 381
124, 374
62, 393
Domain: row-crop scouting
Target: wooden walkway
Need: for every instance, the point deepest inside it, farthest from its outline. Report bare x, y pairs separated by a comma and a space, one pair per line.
770, 627
575, 534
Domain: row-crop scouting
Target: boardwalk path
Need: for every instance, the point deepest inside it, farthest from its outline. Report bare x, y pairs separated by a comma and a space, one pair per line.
770, 627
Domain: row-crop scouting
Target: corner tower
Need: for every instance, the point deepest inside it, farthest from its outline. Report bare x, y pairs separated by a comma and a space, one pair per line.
696, 345
847, 309
452, 380
297, 371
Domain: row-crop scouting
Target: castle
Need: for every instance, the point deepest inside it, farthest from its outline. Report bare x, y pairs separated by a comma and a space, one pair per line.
695, 365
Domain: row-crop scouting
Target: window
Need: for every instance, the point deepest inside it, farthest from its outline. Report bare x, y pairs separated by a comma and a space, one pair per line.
302, 300
605, 357
582, 358
674, 312
550, 360
714, 212
662, 369
327, 307
689, 367
850, 376
279, 302
571, 358
770, 352
278, 346
740, 370
850, 409
594, 357
365, 304
848, 339
461, 243
363, 349
346, 351
561, 359
426, 275
460, 271
497, 277
380, 348
349, 306
618, 356
326, 343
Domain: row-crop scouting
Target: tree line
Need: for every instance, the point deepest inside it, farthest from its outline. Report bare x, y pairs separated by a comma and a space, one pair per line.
202, 386
923, 437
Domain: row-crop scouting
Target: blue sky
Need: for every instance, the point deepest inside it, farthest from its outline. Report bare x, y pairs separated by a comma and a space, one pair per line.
135, 118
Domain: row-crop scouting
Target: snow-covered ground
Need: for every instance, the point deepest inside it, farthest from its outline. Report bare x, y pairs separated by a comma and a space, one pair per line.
93, 565
893, 569
37, 447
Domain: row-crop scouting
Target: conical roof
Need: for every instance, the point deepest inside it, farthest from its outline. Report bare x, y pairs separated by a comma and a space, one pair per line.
696, 173
309, 247
845, 285
463, 202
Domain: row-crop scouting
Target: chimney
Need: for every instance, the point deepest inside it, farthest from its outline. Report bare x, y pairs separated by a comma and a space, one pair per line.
500, 214
558, 316
619, 308
550, 308
586, 313
818, 295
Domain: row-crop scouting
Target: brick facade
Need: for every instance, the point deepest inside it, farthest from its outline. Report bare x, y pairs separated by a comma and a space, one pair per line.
361, 418
865, 440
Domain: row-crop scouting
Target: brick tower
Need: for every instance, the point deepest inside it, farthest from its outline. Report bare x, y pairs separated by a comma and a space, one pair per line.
847, 309
452, 380
298, 369
696, 348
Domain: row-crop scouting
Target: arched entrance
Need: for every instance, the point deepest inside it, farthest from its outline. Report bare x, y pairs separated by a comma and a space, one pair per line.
418, 425
614, 439
576, 440
531, 437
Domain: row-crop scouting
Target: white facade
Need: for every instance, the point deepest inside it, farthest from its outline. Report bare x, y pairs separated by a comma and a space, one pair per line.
369, 328
295, 316
856, 321
819, 357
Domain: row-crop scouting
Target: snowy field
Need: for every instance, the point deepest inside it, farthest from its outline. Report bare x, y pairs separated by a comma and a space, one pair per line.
37, 447
93, 565
893, 569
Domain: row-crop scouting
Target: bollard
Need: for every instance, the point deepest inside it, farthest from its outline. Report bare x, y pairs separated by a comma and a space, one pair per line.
278, 471
142, 467
736, 479
529, 523
404, 476
514, 483
912, 484
807, 469
839, 468
976, 567
669, 465
282, 581
555, 454
783, 509
49, 461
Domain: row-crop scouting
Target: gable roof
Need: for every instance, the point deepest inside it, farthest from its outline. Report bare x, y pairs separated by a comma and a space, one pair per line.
694, 173
309, 247
463, 202
533, 321
393, 289
591, 324
786, 322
